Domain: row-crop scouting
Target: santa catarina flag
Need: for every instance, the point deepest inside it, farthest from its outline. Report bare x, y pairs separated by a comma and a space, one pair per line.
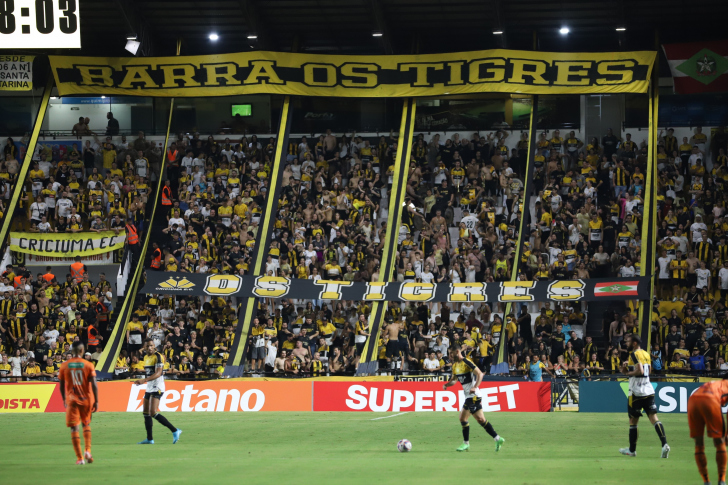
616, 288
698, 67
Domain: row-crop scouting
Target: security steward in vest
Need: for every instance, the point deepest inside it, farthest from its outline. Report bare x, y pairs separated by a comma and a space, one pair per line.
132, 240
78, 269
167, 194
156, 263
93, 338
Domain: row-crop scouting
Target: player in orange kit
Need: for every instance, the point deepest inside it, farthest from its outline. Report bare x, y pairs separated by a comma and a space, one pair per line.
704, 410
78, 380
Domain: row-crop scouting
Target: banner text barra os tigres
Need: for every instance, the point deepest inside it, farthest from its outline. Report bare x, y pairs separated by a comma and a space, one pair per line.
262, 72
277, 287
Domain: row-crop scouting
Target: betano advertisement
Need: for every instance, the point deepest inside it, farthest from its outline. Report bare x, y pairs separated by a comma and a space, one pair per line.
611, 397
252, 396
209, 396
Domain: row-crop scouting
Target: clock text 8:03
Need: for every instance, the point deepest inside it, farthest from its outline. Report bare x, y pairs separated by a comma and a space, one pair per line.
44, 17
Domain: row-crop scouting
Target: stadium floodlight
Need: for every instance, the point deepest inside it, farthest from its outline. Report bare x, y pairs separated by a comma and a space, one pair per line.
252, 36
564, 30
131, 36
132, 46
213, 37
621, 29
377, 34
497, 32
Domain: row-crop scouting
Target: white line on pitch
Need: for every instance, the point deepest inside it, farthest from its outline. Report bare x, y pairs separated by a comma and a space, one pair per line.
393, 415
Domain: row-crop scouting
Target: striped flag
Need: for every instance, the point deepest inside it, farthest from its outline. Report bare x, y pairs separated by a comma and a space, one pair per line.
616, 288
698, 67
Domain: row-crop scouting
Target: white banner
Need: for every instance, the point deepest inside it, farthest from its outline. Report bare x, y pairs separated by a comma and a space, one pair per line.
91, 260
82, 244
16, 73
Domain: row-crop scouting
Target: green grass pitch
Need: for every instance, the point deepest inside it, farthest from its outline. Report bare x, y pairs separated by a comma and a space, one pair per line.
264, 448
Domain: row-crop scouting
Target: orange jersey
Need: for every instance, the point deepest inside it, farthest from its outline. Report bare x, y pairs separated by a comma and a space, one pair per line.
76, 373
717, 390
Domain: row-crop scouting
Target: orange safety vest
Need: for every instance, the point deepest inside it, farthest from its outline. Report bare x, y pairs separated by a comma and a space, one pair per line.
157, 260
92, 339
16, 281
172, 157
48, 277
77, 272
132, 237
166, 196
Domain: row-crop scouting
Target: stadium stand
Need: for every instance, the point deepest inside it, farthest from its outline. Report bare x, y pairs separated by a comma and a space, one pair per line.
464, 197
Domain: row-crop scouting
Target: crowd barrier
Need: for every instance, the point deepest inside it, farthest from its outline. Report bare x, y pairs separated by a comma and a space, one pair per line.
289, 395
611, 397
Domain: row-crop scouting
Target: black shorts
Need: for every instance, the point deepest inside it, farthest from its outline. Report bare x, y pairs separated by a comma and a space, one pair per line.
360, 348
155, 394
636, 404
692, 279
392, 349
473, 404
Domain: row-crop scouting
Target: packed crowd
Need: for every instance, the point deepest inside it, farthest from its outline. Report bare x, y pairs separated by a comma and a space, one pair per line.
9, 170
464, 201
460, 223
689, 321
92, 186
42, 315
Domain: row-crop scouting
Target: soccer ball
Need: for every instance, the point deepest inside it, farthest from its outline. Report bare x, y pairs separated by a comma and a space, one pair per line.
404, 446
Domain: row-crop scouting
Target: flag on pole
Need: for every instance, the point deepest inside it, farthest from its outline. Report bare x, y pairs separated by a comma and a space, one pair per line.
698, 67
621, 288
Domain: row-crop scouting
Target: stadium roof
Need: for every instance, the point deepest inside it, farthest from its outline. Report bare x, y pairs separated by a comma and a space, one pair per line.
407, 26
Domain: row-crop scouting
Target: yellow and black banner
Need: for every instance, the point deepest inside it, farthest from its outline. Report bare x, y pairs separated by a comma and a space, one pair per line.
497, 70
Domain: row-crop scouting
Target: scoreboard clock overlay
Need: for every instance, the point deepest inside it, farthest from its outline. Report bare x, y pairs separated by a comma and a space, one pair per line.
40, 24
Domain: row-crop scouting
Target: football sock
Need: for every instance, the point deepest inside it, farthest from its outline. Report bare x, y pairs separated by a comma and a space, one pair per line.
87, 438
466, 431
489, 429
702, 462
163, 421
148, 423
721, 459
632, 438
661, 432
76, 440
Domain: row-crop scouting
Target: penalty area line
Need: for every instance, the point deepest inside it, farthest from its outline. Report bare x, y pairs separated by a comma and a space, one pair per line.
391, 416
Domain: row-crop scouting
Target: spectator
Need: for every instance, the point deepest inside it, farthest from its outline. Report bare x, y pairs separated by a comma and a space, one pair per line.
80, 128
112, 127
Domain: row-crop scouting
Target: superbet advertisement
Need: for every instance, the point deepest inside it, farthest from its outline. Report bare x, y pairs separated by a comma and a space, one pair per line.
428, 396
286, 395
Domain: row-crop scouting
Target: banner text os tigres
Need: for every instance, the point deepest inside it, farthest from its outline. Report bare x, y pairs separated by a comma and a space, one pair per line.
188, 284
366, 76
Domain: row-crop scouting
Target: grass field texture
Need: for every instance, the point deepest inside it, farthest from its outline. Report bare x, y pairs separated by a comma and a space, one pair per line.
301, 448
